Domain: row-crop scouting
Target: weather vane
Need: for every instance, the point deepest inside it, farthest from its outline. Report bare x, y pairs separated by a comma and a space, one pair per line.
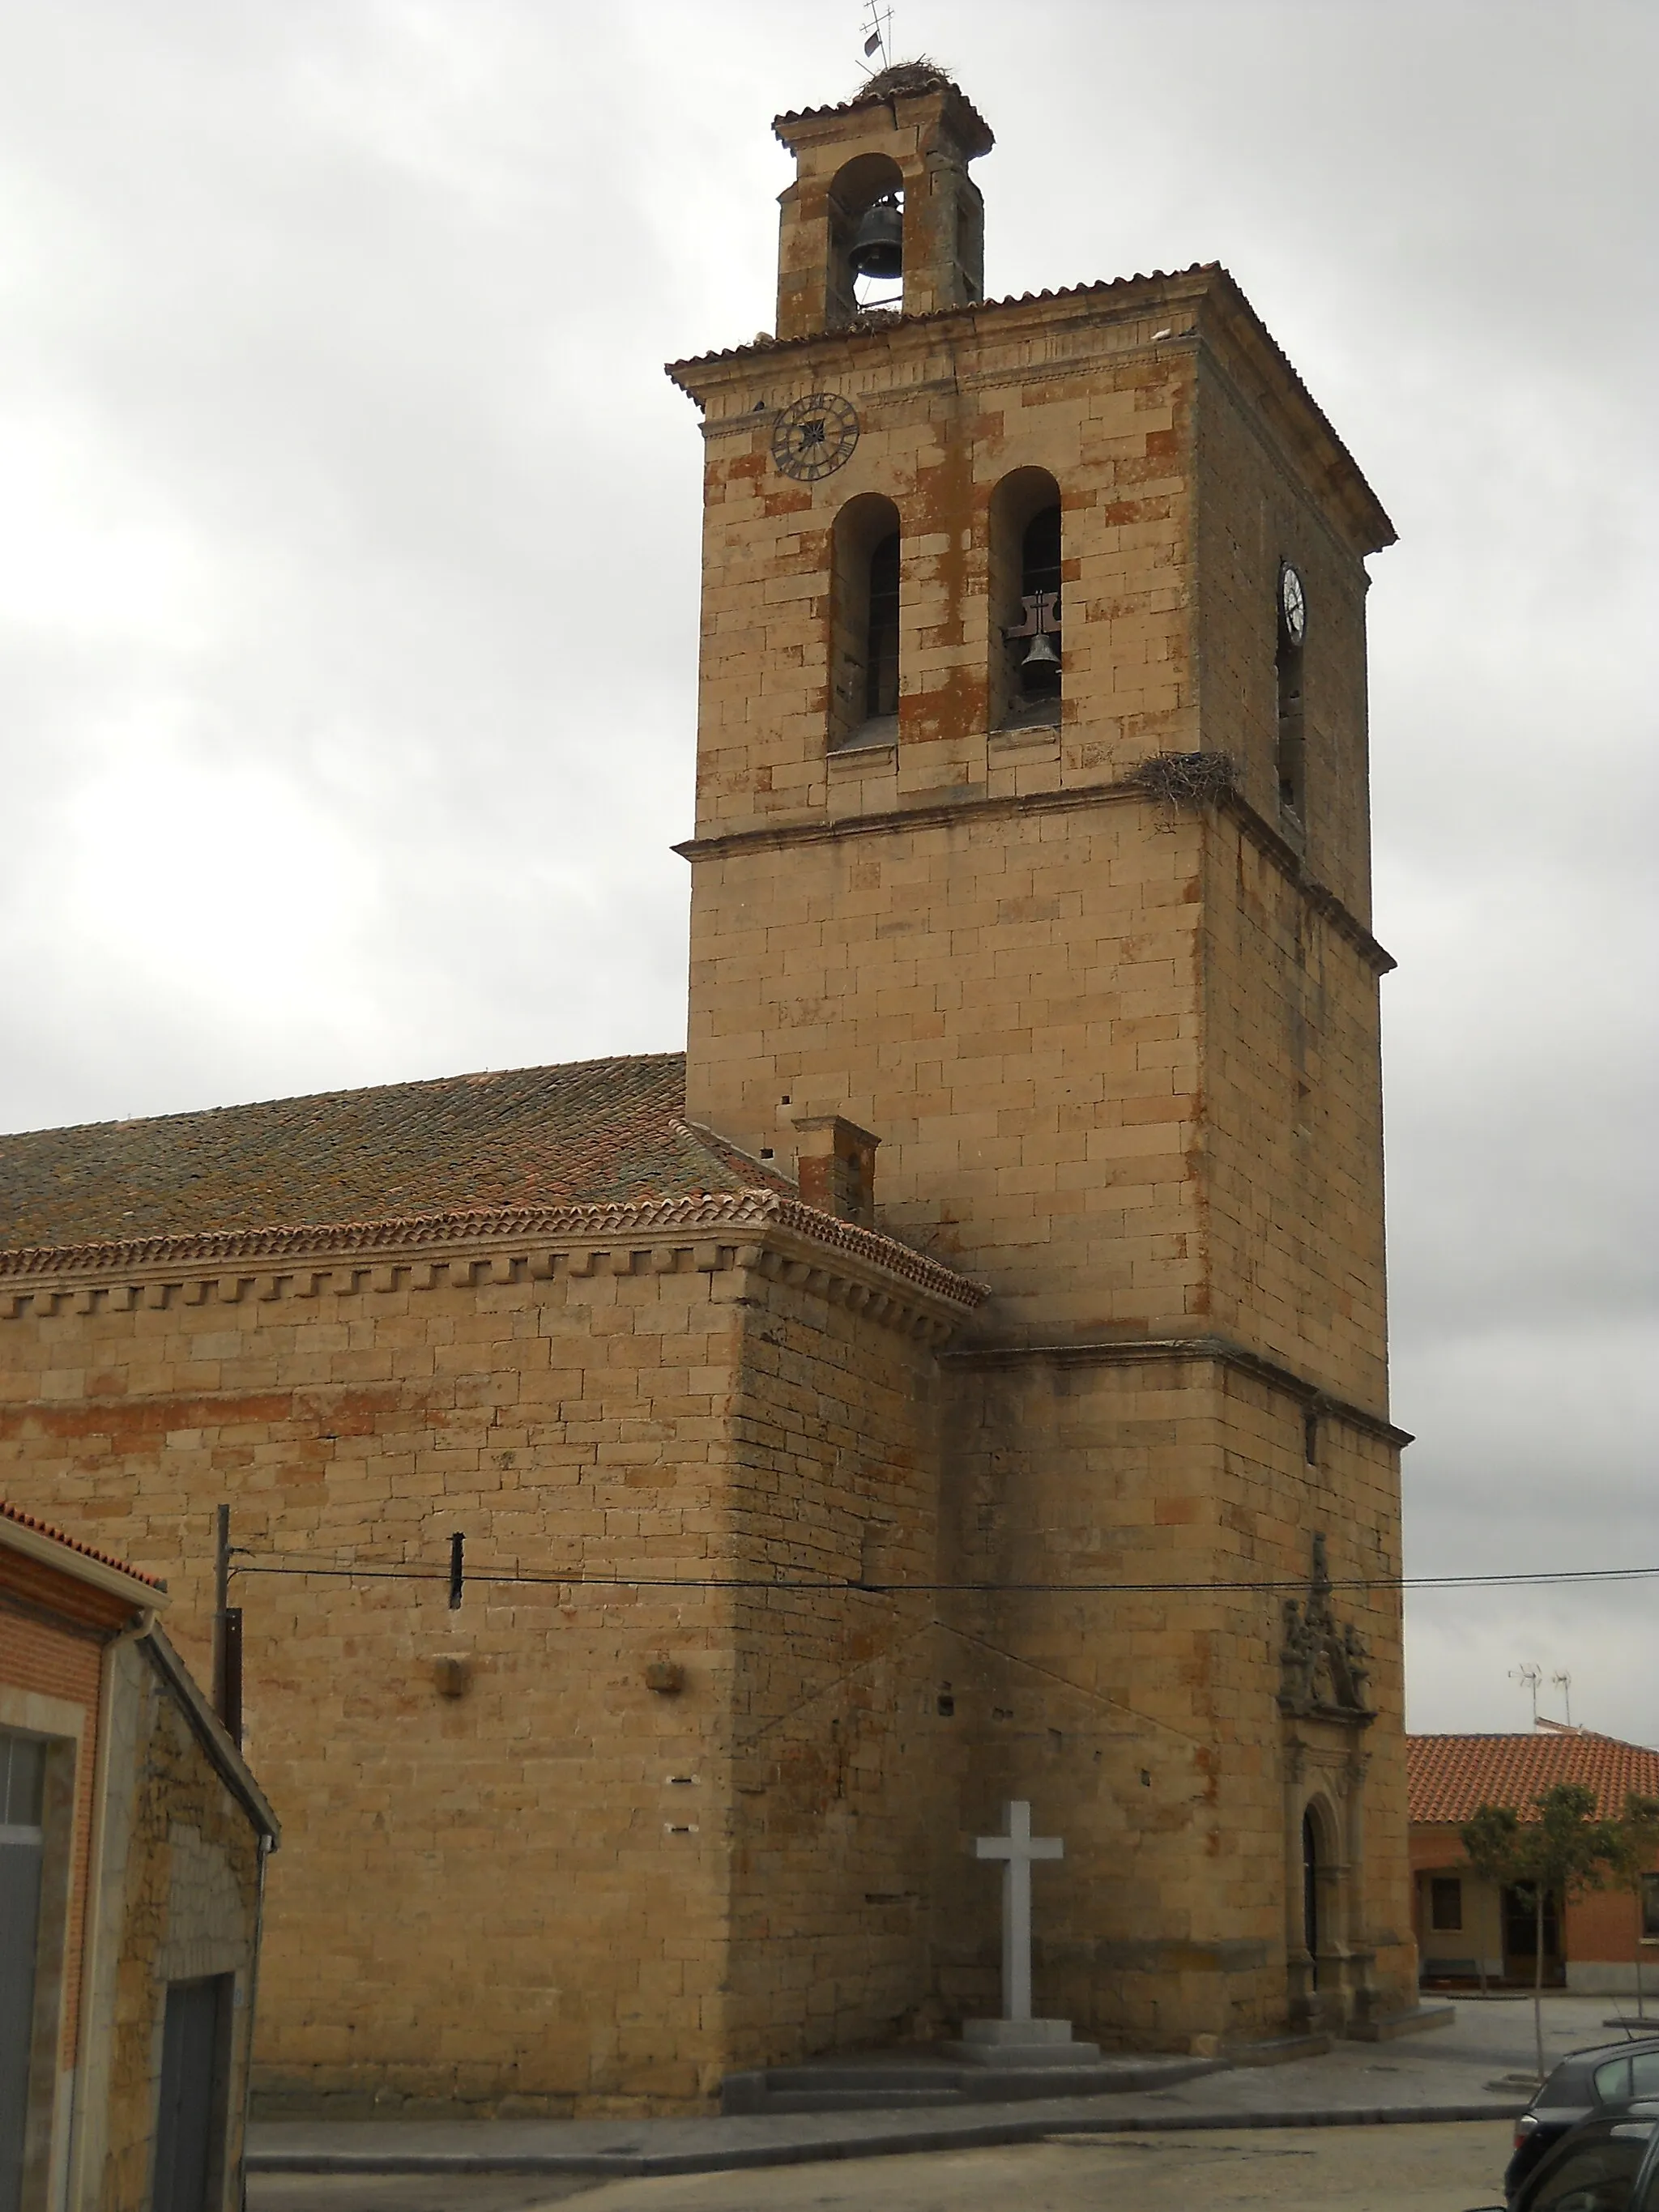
878, 28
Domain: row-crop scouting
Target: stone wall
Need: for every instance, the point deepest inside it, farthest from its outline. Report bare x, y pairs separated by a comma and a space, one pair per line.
518, 1897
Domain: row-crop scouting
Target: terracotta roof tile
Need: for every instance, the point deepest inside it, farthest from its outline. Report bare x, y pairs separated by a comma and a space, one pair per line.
766, 343
591, 1131
903, 81
17, 1515
1449, 1778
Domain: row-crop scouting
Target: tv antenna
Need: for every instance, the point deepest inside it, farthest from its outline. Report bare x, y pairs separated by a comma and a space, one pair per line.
1563, 1683
1529, 1678
878, 28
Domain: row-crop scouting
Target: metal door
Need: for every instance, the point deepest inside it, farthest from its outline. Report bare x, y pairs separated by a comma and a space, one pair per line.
190, 2125
22, 1780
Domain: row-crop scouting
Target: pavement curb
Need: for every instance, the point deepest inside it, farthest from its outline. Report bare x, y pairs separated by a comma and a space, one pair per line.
978, 2133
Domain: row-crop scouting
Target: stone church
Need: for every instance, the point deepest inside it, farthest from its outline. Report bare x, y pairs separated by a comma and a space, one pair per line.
959, 1376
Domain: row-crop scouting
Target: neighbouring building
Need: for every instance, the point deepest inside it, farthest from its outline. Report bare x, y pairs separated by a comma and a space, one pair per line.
1467, 1929
132, 1849
681, 1497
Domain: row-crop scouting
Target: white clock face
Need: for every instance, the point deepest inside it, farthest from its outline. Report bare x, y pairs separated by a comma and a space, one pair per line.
1292, 604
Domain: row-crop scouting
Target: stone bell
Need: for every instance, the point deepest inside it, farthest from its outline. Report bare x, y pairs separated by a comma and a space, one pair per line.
879, 241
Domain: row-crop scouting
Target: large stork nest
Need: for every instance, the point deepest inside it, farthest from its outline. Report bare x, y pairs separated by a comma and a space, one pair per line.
1184, 779
921, 74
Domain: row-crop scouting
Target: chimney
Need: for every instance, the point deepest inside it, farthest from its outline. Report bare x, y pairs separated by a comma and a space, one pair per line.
837, 1167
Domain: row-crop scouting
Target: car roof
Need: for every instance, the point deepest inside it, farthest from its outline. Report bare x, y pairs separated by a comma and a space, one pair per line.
1598, 2054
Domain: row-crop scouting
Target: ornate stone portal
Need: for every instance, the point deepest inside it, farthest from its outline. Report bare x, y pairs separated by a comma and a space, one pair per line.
1324, 1669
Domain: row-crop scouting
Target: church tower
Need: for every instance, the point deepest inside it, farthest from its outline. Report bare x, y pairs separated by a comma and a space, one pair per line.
1032, 844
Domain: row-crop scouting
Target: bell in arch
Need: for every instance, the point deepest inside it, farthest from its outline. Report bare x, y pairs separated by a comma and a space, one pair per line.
1041, 653
879, 241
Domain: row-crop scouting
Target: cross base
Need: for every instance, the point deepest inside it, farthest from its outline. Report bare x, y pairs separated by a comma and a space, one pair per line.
1021, 2043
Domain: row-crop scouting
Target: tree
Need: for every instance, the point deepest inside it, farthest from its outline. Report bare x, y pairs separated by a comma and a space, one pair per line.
1563, 1849
1634, 1849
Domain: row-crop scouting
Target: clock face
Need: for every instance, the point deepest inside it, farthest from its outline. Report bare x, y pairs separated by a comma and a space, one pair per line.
814, 437
1292, 604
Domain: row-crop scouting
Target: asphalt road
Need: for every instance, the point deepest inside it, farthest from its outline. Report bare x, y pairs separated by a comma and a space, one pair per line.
1440, 2168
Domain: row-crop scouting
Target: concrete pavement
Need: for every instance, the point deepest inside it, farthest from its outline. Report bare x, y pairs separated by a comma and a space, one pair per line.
1411, 2168
1479, 2068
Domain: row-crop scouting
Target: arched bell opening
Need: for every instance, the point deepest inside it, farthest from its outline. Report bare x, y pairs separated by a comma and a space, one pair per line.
864, 624
1027, 657
867, 238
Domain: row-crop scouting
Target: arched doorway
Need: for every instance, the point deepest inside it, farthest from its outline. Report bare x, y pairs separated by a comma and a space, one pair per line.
1311, 1868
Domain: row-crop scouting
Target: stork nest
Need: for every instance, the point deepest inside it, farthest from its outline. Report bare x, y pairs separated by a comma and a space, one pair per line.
921, 74
1184, 779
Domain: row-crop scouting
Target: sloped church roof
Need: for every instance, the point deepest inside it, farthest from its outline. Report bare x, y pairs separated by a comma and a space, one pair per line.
594, 1132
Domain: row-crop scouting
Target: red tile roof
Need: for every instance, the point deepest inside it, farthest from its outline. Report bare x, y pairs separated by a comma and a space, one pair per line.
1451, 1777
901, 81
17, 1515
596, 1132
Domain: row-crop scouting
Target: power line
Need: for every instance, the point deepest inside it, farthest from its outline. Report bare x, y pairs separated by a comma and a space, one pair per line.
576, 1578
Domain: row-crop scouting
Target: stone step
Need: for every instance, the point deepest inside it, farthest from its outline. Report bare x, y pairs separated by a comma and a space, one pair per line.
859, 2101
877, 2074
915, 2080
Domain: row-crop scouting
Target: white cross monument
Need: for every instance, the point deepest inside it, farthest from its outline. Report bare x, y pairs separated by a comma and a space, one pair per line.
1017, 2039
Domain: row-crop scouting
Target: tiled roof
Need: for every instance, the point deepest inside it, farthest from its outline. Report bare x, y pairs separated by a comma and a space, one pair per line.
1451, 1777
21, 1520
901, 81
590, 1132
765, 343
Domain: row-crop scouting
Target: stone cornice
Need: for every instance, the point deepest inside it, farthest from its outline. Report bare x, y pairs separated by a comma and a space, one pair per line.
1134, 1352
759, 1229
1346, 924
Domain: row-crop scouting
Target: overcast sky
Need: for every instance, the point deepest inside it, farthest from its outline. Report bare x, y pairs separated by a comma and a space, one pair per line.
348, 573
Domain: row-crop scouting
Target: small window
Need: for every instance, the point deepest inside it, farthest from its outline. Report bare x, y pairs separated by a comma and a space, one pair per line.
1291, 750
22, 1784
1446, 1902
1651, 1908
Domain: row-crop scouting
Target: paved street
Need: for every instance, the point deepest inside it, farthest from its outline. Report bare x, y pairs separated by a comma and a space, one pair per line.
1430, 2166
1442, 2168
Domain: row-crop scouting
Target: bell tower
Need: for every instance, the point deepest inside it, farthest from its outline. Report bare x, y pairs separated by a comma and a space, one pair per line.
1032, 842
910, 143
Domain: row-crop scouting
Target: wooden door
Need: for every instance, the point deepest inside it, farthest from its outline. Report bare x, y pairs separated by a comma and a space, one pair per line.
190, 2124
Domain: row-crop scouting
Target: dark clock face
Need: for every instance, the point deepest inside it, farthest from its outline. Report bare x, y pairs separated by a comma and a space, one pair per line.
815, 436
1292, 604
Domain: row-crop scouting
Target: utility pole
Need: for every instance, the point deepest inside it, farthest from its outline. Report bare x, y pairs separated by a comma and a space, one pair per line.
227, 1634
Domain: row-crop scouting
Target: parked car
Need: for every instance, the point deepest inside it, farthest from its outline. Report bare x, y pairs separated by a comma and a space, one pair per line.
1609, 2164
1585, 2084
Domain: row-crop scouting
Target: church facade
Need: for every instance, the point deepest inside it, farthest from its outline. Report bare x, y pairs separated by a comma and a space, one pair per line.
961, 1377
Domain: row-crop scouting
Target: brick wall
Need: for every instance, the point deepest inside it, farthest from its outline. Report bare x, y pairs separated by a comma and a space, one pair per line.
53, 1633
